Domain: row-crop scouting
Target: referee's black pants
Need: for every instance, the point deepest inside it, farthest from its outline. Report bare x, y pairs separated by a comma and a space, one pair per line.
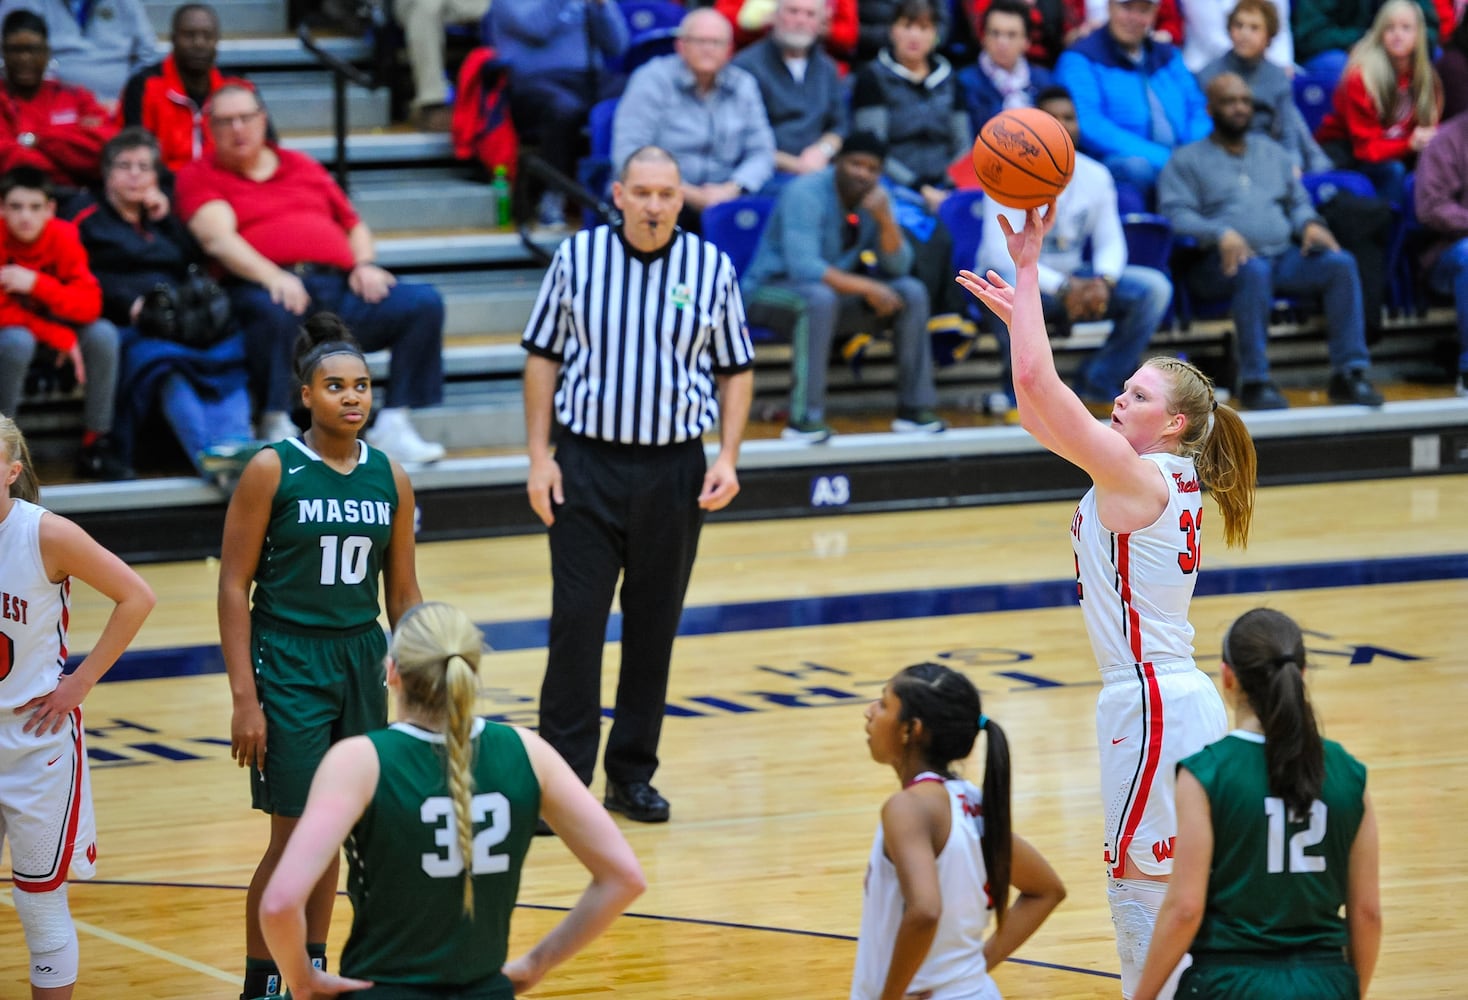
630, 511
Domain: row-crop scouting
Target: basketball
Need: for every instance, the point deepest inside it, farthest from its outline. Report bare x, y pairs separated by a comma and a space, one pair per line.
1023, 157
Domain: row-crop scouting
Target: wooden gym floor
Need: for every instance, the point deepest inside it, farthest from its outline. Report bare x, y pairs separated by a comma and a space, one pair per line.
755, 886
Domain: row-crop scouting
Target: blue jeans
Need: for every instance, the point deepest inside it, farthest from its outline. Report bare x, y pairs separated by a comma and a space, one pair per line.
199, 422
409, 321
1331, 275
1138, 303
1450, 277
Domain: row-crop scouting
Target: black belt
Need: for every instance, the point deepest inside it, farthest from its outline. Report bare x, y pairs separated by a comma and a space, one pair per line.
307, 269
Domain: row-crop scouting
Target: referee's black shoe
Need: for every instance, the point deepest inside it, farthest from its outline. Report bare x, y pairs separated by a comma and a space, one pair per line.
637, 800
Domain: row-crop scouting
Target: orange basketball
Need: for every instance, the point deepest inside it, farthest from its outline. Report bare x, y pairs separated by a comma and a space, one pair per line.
1023, 157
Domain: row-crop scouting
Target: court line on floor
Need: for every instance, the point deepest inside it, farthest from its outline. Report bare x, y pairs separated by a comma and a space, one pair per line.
545, 907
897, 605
143, 947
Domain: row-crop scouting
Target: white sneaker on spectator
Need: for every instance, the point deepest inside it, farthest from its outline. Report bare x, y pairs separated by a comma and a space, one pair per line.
394, 434
276, 426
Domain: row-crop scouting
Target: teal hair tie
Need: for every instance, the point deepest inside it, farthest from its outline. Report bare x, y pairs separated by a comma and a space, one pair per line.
983, 722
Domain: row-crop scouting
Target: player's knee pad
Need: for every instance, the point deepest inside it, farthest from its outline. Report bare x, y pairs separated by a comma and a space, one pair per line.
1134, 905
50, 935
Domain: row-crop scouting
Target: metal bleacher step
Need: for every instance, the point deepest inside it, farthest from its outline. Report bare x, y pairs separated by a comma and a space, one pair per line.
395, 200
236, 17
283, 52
459, 249
302, 100
377, 148
477, 302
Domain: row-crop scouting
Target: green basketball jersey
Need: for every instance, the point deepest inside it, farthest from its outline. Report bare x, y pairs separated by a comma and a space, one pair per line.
1277, 882
327, 539
404, 872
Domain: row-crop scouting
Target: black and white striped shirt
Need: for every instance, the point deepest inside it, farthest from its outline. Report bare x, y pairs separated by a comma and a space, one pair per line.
639, 336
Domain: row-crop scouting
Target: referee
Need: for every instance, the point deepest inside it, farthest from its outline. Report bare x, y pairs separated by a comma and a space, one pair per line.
637, 346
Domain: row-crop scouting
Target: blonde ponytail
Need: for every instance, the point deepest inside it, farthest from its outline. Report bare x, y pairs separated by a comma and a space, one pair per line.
1218, 441
436, 648
462, 688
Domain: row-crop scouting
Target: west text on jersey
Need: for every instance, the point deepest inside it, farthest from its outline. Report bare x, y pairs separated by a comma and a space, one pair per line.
12, 608
331, 510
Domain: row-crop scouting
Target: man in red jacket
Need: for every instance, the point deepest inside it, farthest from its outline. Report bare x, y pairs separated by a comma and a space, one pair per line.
53, 126
49, 296
171, 99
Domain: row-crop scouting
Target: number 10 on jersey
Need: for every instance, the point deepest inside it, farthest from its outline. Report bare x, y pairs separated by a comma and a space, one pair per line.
344, 559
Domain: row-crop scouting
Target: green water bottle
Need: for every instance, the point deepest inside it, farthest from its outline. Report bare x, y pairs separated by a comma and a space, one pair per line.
501, 186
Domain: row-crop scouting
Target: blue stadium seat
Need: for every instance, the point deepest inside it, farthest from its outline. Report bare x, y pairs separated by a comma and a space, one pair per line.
1148, 239
1408, 290
652, 28
595, 171
1313, 96
1149, 244
648, 45
651, 15
1324, 184
734, 227
963, 213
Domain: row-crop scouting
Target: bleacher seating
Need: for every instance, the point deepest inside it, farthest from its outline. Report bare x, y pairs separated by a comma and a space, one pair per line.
1312, 96
734, 227
435, 221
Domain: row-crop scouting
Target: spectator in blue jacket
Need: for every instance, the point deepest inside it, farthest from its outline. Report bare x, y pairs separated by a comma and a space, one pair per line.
1135, 99
557, 52
1002, 77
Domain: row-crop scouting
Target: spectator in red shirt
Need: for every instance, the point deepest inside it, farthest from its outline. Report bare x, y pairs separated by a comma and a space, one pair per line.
49, 297
171, 98
1388, 103
293, 246
55, 127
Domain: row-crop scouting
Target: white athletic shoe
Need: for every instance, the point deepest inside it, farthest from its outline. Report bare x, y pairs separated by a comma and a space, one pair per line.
395, 434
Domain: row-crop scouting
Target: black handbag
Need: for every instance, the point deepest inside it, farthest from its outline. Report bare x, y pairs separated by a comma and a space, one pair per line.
195, 312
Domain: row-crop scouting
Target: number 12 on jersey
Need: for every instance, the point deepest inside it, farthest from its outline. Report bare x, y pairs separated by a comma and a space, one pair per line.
1300, 862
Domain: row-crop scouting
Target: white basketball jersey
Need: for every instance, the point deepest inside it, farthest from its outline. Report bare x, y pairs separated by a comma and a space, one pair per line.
33, 611
1135, 588
954, 968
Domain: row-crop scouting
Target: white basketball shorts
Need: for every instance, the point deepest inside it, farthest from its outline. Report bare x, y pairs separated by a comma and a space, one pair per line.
1149, 717
46, 804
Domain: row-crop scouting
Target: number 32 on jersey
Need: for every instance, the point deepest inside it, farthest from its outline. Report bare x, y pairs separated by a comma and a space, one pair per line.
438, 812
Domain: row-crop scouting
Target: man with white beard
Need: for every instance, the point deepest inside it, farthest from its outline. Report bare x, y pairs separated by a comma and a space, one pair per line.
801, 90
